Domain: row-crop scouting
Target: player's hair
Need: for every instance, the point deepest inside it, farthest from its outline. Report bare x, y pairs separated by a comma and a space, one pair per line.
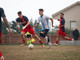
41, 10
62, 13
19, 12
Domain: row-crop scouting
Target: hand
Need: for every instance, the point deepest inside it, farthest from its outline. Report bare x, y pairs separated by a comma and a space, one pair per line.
23, 27
2, 58
34, 26
52, 25
11, 33
18, 28
58, 19
58, 27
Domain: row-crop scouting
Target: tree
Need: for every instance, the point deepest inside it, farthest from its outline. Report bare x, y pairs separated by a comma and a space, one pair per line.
31, 22
37, 28
4, 28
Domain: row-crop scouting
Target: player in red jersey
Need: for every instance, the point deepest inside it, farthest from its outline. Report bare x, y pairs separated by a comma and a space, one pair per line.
26, 28
61, 31
2, 15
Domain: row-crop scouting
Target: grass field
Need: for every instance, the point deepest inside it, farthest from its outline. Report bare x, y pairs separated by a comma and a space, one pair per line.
15, 52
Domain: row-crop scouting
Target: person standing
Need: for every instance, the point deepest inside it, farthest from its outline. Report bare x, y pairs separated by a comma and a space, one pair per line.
76, 34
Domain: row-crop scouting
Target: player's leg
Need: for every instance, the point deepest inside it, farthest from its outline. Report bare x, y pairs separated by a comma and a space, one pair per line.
67, 38
57, 39
36, 36
0, 37
23, 38
2, 58
28, 39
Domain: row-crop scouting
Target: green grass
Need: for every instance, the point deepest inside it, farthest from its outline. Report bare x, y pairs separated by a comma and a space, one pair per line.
15, 52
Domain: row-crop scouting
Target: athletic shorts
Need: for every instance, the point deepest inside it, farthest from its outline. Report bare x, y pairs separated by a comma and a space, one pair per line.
60, 32
30, 30
45, 31
28, 36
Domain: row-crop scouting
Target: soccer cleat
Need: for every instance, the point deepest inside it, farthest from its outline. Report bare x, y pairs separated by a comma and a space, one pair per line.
22, 45
48, 46
2, 58
43, 46
55, 44
50, 43
72, 39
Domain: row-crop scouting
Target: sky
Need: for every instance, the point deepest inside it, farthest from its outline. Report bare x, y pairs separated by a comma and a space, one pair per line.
30, 8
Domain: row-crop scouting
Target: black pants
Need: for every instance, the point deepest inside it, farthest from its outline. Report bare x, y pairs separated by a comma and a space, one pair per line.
75, 38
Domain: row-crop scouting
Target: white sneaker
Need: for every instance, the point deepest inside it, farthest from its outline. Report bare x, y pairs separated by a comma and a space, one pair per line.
48, 46
50, 43
72, 39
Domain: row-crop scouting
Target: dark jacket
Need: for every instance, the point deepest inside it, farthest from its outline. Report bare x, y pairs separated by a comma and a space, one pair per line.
76, 33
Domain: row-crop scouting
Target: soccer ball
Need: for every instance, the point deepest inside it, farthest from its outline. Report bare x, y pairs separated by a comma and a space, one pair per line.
31, 46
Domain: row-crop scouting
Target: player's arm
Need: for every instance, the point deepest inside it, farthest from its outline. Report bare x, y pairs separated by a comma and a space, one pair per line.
5, 20
58, 19
52, 22
47, 17
18, 26
28, 23
36, 25
63, 24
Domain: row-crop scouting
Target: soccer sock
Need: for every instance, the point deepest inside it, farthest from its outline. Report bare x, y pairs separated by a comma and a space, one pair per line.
0, 54
56, 42
40, 42
23, 41
70, 39
48, 40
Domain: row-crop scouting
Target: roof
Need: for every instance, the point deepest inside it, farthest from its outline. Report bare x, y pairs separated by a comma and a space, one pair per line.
55, 14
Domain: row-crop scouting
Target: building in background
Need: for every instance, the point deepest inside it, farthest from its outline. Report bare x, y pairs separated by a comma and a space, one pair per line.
72, 15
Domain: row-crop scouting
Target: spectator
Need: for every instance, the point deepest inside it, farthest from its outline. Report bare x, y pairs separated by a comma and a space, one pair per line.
76, 34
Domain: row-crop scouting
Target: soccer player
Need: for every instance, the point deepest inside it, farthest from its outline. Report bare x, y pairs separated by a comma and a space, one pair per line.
1, 56
26, 28
61, 31
45, 25
2, 14
29, 38
28, 35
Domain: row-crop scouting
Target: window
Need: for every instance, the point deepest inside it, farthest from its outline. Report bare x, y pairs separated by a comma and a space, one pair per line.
72, 24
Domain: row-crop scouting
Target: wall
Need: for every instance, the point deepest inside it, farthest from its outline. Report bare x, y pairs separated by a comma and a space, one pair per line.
72, 14
16, 39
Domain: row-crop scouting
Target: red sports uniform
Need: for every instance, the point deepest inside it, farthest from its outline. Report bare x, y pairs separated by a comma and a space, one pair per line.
0, 54
24, 21
62, 29
2, 14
